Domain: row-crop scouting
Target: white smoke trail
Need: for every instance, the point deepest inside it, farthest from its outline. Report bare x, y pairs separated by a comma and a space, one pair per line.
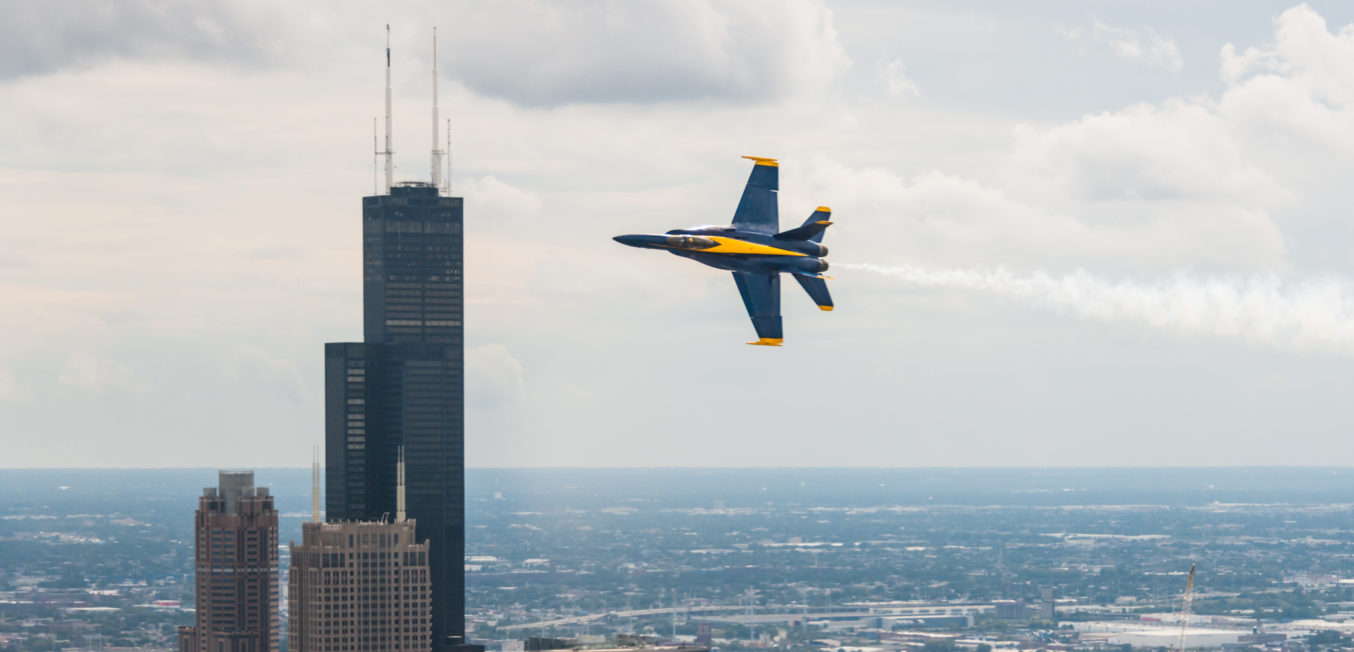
1309, 315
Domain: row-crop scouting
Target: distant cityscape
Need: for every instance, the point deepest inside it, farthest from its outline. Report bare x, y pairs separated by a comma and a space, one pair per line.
391, 544
754, 559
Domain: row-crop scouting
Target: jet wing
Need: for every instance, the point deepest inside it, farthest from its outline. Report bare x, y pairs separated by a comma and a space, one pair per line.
757, 210
761, 295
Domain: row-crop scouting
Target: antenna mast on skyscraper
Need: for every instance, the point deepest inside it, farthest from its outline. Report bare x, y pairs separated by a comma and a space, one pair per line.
315, 486
390, 155
437, 153
399, 488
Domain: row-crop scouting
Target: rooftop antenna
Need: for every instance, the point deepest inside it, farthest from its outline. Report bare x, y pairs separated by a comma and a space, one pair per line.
390, 155
446, 188
437, 153
399, 488
315, 486
375, 152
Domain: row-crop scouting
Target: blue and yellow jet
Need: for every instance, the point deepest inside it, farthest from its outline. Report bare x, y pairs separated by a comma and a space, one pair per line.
754, 250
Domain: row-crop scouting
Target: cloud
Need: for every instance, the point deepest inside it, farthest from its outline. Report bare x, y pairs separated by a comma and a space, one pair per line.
496, 202
1303, 48
1299, 88
1206, 182
942, 219
1145, 46
1229, 173
212, 202
1270, 150
1177, 150
39, 37
544, 54
524, 51
894, 80
494, 377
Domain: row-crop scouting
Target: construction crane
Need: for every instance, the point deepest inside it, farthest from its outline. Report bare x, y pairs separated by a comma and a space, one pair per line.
1184, 609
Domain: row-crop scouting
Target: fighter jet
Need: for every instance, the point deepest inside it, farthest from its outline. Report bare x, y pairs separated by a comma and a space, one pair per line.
756, 251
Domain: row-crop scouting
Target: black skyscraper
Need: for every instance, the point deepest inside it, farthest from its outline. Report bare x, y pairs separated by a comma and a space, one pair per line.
404, 386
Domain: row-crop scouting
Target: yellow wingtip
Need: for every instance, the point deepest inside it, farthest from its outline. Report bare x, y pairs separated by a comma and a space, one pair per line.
767, 341
761, 160
825, 308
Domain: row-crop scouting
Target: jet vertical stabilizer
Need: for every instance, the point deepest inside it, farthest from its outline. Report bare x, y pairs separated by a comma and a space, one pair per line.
812, 229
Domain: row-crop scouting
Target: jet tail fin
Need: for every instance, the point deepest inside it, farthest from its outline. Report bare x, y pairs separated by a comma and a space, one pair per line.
812, 229
817, 289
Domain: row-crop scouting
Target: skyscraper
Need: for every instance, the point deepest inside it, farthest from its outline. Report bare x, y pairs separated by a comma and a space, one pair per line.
357, 586
235, 569
404, 386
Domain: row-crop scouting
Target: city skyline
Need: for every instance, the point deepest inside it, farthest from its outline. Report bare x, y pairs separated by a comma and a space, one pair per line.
619, 552
1099, 237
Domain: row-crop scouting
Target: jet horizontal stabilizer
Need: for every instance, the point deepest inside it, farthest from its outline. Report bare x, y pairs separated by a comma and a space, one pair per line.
816, 286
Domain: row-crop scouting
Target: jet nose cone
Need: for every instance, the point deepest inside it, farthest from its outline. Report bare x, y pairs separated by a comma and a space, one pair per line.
644, 241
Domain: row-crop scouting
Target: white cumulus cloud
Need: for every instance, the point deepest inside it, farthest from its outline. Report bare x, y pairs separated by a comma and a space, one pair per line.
674, 50
943, 219
1176, 150
1298, 88
1145, 46
894, 80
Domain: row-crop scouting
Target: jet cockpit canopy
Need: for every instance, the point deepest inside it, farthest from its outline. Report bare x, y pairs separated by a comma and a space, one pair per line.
690, 242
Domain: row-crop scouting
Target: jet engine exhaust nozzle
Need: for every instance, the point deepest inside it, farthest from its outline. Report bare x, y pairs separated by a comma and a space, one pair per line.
811, 265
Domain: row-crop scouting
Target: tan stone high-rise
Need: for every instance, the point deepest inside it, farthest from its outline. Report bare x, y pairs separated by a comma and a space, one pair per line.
356, 586
235, 573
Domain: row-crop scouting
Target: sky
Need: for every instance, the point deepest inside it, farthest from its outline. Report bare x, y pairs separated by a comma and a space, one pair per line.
1066, 233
